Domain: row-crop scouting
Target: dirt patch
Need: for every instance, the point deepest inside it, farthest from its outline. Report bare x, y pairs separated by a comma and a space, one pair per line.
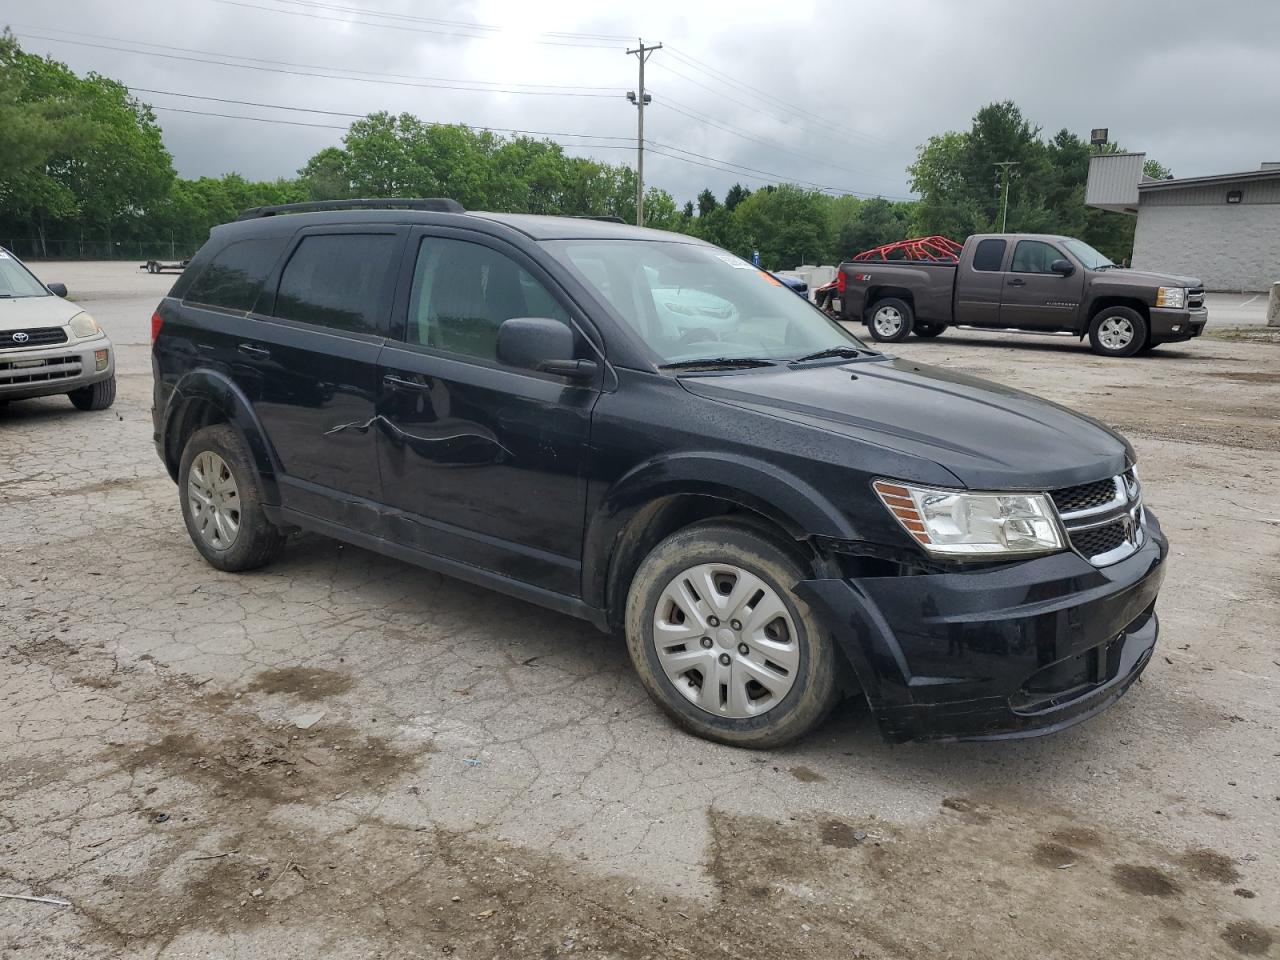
1245, 376
970, 810
305, 683
1248, 938
1077, 837
805, 775
1054, 855
838, 833
1144, 880
1210, 865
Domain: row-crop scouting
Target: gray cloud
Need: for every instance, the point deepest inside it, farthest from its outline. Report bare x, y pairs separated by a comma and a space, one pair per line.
1193, 85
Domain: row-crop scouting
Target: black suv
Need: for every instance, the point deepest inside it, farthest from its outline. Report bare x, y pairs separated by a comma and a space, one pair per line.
642, 430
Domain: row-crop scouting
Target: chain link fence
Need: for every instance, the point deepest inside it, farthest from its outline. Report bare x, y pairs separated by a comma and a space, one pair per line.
33, 248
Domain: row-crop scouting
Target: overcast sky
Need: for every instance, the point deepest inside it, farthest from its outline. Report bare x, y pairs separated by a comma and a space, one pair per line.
1194, 84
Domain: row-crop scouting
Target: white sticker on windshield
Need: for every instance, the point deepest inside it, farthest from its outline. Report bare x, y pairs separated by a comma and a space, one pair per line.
4, 255
734, 261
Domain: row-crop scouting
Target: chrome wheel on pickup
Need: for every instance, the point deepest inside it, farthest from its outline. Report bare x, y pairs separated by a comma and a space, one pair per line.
721, 643
891, 320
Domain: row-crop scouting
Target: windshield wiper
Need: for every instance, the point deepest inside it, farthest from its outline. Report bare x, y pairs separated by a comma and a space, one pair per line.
841, 351
721, 363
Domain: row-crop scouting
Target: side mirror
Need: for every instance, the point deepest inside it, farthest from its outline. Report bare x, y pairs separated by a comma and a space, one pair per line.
57, 289
1063, 268
542, 344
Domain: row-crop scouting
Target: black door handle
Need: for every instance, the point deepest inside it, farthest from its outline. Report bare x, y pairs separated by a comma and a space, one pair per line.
398, 383
1017, 283
249, 350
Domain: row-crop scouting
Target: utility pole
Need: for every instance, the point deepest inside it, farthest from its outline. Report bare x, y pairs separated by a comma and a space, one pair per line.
1004, 166
643, 54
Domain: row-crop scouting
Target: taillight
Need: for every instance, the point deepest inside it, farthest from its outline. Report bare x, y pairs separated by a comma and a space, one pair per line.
157, 322
840, 282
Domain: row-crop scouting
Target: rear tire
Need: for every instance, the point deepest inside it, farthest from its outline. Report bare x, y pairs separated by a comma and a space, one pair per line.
762, 631
927, 330
1117, 332
96, 396
221, 498
890, 320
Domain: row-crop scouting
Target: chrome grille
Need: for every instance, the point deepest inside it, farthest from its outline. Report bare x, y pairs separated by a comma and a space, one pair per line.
32, 337
1195, 298
1103, 518
13, 372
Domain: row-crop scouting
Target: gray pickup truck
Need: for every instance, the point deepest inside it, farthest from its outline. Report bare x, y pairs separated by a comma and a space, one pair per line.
1031, 282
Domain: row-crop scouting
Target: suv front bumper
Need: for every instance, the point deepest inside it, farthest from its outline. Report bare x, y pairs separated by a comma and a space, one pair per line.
1018, 650
48, 371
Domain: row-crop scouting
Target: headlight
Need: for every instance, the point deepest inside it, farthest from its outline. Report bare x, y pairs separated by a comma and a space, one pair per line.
953, 523
1175, 297
83, 326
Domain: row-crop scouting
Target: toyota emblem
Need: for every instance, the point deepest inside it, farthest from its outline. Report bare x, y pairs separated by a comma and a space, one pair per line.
21, 337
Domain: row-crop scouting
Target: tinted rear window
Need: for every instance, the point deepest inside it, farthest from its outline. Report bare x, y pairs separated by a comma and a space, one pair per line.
989, 255
233, 278
341, 281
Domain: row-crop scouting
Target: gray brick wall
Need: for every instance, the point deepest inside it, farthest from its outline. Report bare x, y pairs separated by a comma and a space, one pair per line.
1228, 246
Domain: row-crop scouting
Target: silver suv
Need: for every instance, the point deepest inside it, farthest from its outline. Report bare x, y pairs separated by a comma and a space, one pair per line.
48, 345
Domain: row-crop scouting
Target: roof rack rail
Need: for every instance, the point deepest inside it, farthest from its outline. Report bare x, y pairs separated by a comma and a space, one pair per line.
432, 204
605, 218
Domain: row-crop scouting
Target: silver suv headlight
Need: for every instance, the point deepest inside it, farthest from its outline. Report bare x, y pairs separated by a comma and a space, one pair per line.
84, 326
958, 523
1175, 297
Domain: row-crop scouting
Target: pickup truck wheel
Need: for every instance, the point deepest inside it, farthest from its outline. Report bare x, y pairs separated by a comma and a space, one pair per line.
1117, 332
891, 320
96, 396
923, 329
722, 645
221, 502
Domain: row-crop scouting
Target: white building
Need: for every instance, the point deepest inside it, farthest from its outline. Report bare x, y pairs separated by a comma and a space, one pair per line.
1223, 229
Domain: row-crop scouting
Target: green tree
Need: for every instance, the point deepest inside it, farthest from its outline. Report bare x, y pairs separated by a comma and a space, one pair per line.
787, 224
737, 193
706, 202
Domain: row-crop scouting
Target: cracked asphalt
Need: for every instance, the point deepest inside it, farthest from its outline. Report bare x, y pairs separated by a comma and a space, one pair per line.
343, 756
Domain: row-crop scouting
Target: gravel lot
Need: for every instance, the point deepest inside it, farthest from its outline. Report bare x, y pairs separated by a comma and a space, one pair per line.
342, 756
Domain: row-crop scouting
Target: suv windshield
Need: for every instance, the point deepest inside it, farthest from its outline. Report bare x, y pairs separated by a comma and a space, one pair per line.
1089, 258
17, 281
693, 302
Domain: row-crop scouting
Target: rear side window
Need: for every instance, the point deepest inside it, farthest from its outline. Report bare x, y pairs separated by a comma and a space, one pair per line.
1033, 256
233, 278
342, 281
989, 255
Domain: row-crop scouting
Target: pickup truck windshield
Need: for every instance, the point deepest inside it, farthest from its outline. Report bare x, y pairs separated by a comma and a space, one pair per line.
1089, 258
17, 281
692, 302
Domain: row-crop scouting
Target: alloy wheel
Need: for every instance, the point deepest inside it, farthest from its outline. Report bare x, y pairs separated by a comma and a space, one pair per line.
1115, 333
887, 321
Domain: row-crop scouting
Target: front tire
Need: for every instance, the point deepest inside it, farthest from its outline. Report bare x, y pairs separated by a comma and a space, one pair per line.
96, 396
890, 320
1117, 332
221, 499
722, 645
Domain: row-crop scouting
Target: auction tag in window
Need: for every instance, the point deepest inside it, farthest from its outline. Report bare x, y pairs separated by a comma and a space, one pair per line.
4, 255
734, 262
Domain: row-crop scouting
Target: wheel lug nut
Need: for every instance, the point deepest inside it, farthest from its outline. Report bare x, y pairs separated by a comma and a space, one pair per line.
713, 621
724, 659
743, 649
706, 643
736, 624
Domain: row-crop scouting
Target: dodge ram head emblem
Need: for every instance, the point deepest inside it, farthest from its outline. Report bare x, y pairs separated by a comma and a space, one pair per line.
21, 337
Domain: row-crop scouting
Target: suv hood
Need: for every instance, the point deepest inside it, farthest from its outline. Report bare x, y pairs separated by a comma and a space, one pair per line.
22, 313
1141, 278
988, 436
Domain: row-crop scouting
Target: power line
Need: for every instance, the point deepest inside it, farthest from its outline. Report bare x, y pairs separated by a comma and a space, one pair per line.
692, 114
721, 77
334, 126
276, 62
401, 26
361, 116
326, 76
465, 24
